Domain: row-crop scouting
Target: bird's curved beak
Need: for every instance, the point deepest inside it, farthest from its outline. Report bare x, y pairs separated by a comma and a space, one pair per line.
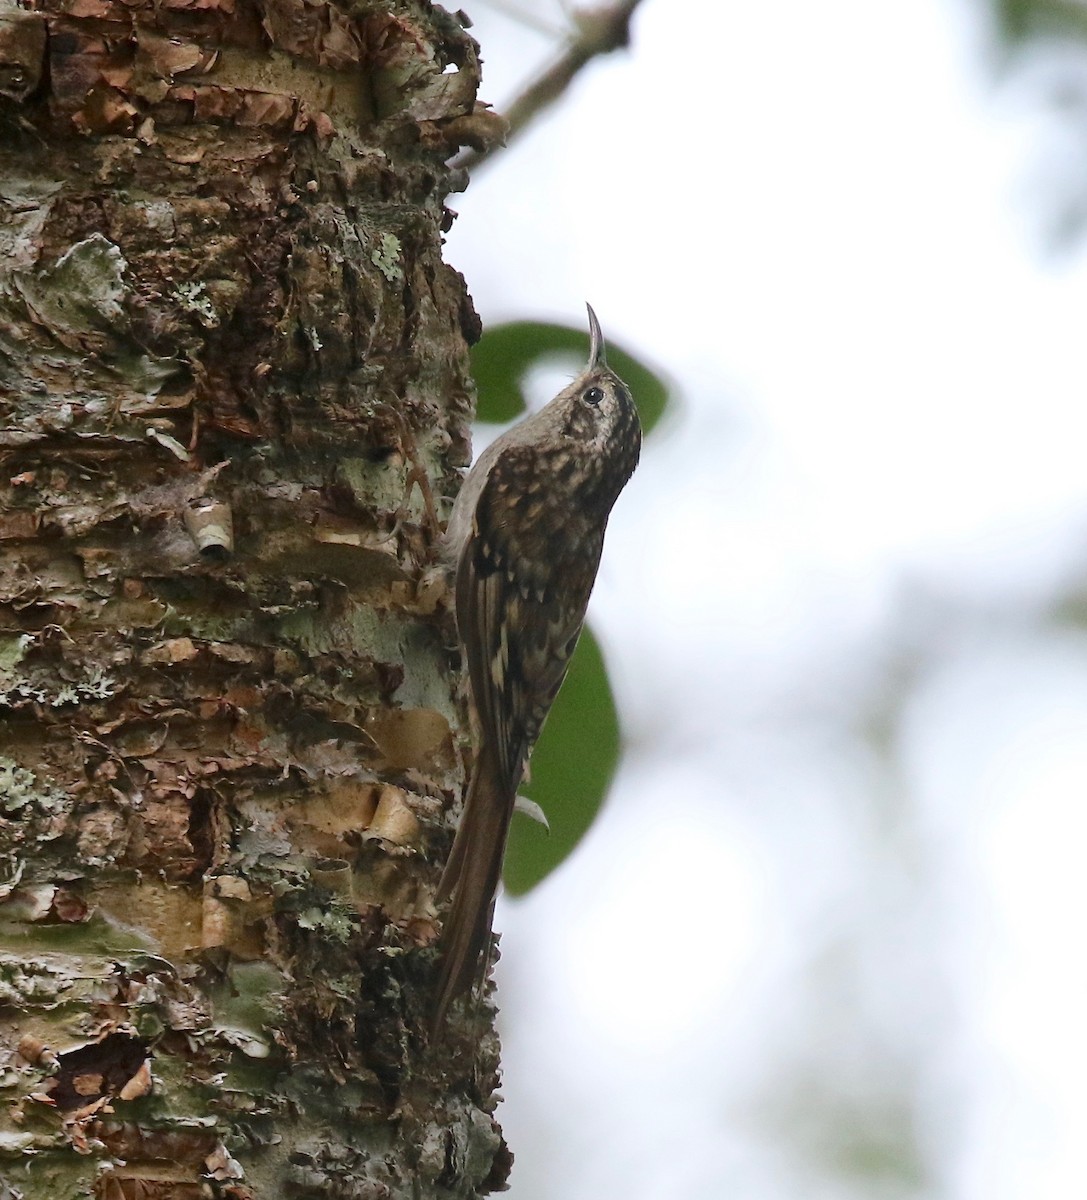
596, 341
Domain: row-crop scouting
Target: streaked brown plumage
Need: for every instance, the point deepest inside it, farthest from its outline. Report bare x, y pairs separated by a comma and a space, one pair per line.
525, 535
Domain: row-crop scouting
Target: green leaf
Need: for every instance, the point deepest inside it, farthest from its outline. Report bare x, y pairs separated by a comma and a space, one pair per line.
1020, 20
572, 767
506, 353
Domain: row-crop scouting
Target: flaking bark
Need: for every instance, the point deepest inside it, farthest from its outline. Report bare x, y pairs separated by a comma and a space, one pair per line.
231, 722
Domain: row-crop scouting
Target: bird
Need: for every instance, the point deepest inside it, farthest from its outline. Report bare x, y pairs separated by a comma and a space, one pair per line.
523, 542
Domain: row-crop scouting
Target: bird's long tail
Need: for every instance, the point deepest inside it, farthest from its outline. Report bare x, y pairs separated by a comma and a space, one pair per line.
471, 876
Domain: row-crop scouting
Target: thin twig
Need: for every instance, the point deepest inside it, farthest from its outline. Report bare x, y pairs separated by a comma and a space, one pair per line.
598, 31
519, 14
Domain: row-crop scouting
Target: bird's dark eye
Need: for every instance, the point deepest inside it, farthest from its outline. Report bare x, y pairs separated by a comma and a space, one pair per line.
593, 395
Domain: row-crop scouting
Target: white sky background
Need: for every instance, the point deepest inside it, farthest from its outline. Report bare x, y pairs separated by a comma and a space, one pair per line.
826, 939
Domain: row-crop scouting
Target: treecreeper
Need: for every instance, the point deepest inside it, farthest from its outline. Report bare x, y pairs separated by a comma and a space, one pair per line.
524, 540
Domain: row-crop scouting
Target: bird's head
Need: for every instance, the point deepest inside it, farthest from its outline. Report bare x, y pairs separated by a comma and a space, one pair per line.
596, 410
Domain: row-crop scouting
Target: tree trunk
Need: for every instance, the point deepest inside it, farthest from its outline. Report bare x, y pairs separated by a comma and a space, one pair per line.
231, 723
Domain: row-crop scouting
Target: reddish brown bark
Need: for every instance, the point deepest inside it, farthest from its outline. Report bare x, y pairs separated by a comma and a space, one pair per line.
231, 359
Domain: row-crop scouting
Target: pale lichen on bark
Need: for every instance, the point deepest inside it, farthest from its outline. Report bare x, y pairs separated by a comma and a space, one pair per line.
233, 372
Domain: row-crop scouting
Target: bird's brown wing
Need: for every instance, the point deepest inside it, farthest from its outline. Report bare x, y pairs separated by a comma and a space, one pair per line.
523, 584
520, 609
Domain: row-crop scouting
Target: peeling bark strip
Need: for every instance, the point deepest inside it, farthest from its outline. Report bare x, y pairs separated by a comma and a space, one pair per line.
231, 359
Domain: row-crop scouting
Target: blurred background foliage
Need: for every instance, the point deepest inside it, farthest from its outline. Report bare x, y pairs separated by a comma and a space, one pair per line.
579, 750
860, 739
1020, 20
1046, 41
